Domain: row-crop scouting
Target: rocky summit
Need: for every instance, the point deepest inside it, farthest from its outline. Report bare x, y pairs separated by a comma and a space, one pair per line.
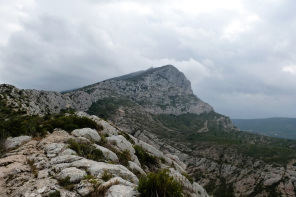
157, 107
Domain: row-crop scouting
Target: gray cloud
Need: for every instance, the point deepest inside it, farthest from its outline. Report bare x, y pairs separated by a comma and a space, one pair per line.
239, 55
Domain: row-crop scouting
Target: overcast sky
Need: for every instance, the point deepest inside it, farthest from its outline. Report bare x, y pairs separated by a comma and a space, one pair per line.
240, 55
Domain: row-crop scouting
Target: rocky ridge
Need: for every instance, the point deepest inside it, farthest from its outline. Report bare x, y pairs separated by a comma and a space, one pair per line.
163, 90
137, 102
46, 166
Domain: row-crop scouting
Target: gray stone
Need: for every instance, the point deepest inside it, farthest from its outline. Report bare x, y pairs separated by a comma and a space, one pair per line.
84, 188
88, 133
43, 174
14, 142
116, 181
177, 160
68, 152
121, 191
65, 159
135, 168
97, 169
53, 149
121, 144
199, 190
107, 153
107, 127
73, 173
150, 149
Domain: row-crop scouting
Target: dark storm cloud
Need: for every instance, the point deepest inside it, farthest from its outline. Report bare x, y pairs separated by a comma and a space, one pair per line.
239, 55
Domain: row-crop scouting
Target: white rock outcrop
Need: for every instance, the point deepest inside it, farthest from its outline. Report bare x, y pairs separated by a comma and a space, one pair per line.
121, 144
13, 142
107, 153
121, 191
74, 174
135, 168
88, 133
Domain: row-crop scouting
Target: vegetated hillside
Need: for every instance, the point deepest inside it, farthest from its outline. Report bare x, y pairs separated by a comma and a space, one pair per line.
274, 127
159, 107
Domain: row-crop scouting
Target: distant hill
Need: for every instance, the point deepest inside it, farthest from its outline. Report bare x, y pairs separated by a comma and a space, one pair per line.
275, 127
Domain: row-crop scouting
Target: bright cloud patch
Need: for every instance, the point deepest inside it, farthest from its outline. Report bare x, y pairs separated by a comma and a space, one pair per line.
290, 69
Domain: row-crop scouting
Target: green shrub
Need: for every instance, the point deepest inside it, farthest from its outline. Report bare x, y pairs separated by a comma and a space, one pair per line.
39, 126
106, 176
65, 183
86, 150
69, 123
24, 125
103, 140
94, 182
145, 158
123, 157
126, 136
159, 184
55, 194
190, 178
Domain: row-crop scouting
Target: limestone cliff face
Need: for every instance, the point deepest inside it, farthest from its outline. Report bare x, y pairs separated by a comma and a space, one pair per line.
163, 90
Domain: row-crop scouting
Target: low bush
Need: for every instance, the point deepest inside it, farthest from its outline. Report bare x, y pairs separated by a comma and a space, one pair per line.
145, 158
39, 126
86, 150
106, 175
66, 183
159, 184
190, 178
95, 184
69, 123
103, 140
126, 136
55, 194
124, 156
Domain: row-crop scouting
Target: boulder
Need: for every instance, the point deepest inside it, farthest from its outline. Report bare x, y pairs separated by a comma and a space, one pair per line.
82, 140
14, 142
108, 128
81, 114
73, 173
189, 189
150, 149
58, 136
53, 149
121, 191
68, 152
64, 159
88, 133
121, 144
84, 188
116, 181
177, 160
107, 153
174, 164
199, 190
135, 168
98, 168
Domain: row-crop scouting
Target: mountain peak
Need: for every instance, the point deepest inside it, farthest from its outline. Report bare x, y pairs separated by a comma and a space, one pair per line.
167, 72
173, 75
